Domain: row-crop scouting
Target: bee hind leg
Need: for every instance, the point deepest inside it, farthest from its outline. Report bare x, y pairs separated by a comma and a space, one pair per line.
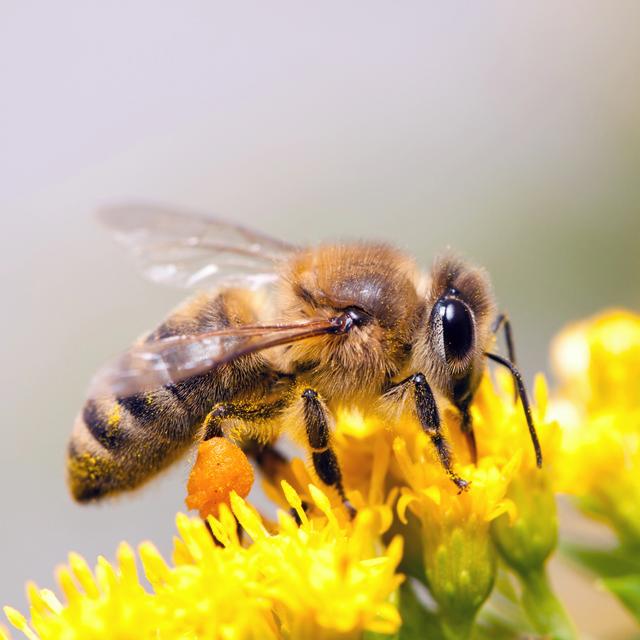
269, 459
266, 456
243, 411
317, 419
272, 463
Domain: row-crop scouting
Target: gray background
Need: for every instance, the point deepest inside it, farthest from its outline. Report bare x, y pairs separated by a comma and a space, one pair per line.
509, 131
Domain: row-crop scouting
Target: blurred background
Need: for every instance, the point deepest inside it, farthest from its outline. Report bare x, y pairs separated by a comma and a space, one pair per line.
510, 131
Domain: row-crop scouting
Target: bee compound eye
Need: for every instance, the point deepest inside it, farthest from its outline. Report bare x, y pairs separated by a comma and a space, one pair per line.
457, 328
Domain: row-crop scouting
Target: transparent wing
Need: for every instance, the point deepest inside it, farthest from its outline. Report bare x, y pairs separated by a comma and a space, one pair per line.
155, 364
189, 250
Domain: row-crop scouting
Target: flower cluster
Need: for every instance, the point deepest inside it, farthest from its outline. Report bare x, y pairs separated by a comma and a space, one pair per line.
317, 572
313, 579
598, 365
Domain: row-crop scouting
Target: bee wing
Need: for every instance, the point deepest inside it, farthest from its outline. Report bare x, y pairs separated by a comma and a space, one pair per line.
189, 250
151, 365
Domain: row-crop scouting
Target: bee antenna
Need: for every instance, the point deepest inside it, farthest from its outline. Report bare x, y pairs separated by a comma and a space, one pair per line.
522, 392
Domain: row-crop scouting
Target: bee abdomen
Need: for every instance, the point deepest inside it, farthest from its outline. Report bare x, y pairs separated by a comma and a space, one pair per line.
106, 429
90, 472
119, 442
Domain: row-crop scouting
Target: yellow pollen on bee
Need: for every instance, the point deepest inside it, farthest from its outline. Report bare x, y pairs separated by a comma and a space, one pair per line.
113, 419
86, 467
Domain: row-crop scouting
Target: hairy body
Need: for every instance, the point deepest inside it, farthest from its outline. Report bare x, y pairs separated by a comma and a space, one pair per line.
354, 324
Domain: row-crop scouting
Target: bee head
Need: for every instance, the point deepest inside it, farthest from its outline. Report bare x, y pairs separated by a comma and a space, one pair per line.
455, 330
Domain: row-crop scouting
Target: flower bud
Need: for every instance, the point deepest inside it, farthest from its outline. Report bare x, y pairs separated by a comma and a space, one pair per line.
460, 568
527, 542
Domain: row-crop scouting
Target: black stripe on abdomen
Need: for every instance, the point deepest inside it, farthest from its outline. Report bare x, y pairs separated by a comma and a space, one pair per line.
180, 392
144, 409
108, 432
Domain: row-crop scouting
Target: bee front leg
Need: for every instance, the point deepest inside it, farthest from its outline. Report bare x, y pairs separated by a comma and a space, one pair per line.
427, 413
317, 420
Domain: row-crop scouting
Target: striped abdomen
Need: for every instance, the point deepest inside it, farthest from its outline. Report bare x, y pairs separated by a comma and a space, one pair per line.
118, 443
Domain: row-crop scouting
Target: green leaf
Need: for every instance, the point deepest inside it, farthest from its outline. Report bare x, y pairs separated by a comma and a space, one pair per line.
609, 563
504, 586
496, 629
627, 589
502, 617
418, 622
543, 608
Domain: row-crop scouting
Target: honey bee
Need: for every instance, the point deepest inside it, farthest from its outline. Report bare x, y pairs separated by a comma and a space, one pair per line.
281, 333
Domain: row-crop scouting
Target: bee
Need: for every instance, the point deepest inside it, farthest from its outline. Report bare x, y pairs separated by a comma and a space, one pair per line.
281, 334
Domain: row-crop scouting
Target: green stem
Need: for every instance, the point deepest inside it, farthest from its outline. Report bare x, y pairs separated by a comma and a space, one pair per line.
543, 607
456, 627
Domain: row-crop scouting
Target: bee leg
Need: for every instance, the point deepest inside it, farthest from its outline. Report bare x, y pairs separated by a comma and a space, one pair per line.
466, 426
272, 462
216, 541
462, 398
247, 412
317, 418
502, 322
427, 412
244, 411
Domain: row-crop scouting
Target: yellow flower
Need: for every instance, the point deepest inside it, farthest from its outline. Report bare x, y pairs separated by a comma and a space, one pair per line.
326, 580
106, 603
319, 573
525, 539
527, 536
317, 580
363, 445
458, 555
448, 540
598, 362
506, 489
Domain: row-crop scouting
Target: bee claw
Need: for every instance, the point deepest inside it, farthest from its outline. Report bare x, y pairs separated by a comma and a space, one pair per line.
351, 510
463, 485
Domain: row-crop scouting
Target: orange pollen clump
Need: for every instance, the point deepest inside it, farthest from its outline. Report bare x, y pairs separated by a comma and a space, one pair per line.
221, 467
